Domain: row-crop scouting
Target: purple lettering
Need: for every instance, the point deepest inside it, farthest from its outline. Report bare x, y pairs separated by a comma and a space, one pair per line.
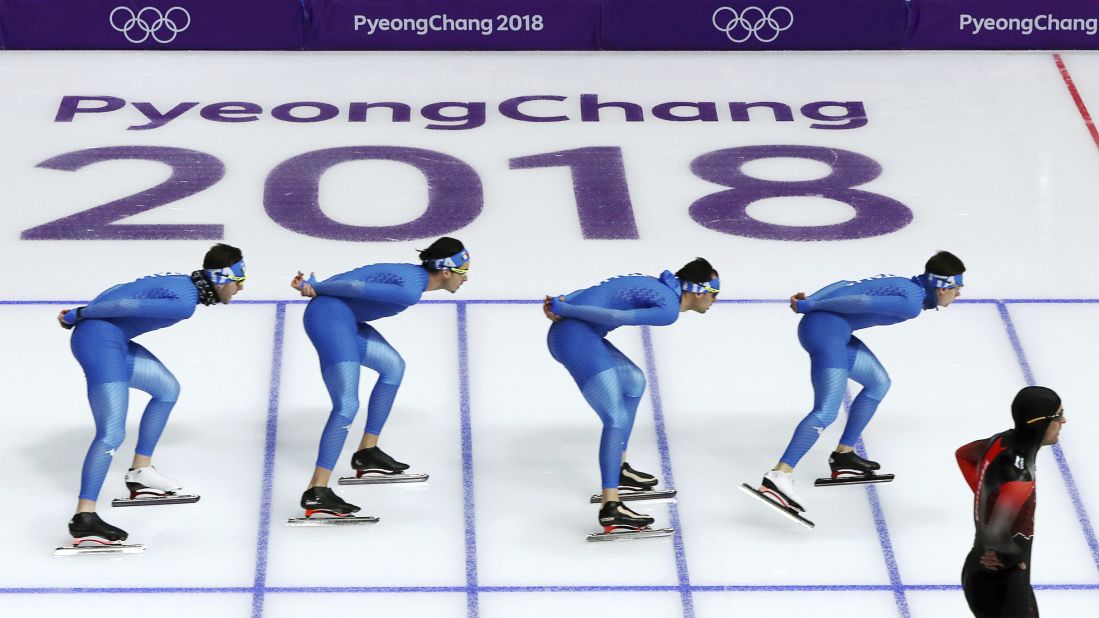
157, 119
192, 172
325, 111
727, 211
454, 194
71, 106
510, 108
590, 106
400, 112
473, 117
703, 110
739, 111
599, 184
231, 111
854, 112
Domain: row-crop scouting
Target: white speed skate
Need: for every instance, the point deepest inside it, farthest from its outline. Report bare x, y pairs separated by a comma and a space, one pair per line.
148, 487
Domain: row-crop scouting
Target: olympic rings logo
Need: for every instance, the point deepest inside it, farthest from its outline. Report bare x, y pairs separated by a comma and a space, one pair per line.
150, 22
753, 22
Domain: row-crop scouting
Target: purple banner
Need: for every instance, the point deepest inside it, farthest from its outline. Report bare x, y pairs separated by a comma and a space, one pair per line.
151, 24
753, 24
1004, 24
452, 24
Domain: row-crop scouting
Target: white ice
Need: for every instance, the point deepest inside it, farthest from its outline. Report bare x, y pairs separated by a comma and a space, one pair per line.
989, 151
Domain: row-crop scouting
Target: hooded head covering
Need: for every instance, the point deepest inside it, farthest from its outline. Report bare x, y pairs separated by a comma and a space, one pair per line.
1032, 410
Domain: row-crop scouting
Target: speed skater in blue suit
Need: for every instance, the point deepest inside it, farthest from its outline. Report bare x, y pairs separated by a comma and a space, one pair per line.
610, 382
102, 342
337, 321
826, 332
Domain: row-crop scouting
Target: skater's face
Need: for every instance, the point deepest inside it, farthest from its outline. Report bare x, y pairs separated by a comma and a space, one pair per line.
947, 295
453, 278
1053, 432
700, 302
226, 291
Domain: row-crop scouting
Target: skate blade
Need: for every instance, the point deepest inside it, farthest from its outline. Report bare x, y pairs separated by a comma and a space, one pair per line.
382, 479
631, 535
72, 550
349, 520
154, 500
853, 480
789, 513
626, 496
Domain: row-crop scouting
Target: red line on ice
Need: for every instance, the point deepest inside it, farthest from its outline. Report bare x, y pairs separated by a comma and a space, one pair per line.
1076, 97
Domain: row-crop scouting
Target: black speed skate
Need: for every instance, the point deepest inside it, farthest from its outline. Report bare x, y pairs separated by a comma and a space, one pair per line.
637, 485
373, 466
851, 469
323, 507
635, 480
622, 522
90, 534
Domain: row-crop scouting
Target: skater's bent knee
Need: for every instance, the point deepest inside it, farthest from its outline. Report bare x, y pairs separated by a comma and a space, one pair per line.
878, 389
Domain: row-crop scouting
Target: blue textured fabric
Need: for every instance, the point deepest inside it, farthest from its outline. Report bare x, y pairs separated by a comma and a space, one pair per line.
835, 355
872, 302
108, 402
626, 300
113, 364
148, 304
101, 354
611, 383
333, 323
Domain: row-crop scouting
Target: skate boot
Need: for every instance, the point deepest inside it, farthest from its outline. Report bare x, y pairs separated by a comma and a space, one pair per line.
323, 507
620, 522
635, 480
637, 485
148, 486
324, 501
375, 460
615, 516
851, 469
777, 491
373, 466
90, 534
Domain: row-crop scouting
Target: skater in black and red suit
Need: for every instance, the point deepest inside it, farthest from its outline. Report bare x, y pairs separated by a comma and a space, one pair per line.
1001, 472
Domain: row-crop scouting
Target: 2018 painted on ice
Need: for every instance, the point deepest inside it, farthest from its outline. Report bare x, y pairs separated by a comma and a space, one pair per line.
456, 197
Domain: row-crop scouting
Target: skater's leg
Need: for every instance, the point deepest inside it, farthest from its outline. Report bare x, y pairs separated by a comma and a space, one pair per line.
584, 353
108, 402
603, 393
342, 382
825, 337
632, 380
829, 385
152, 377
332, 329
100, 348
377, 354
869, 372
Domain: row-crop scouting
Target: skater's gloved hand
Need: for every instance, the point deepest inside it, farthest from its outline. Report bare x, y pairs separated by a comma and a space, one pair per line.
69, 317
547, 308
794, 301
993, 561
304, 286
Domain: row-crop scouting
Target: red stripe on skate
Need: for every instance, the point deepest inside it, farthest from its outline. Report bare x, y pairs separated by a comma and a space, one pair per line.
1077, 98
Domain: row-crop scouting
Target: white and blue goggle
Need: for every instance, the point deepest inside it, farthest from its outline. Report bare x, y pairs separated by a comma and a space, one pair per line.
220, 276
450, 263
713, 286
945, 281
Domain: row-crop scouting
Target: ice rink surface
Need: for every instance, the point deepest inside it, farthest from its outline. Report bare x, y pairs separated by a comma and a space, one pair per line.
859, 164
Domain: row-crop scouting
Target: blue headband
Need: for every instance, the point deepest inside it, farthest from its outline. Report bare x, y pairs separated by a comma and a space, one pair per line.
713, 286
454, 261
945, 281
219, 276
